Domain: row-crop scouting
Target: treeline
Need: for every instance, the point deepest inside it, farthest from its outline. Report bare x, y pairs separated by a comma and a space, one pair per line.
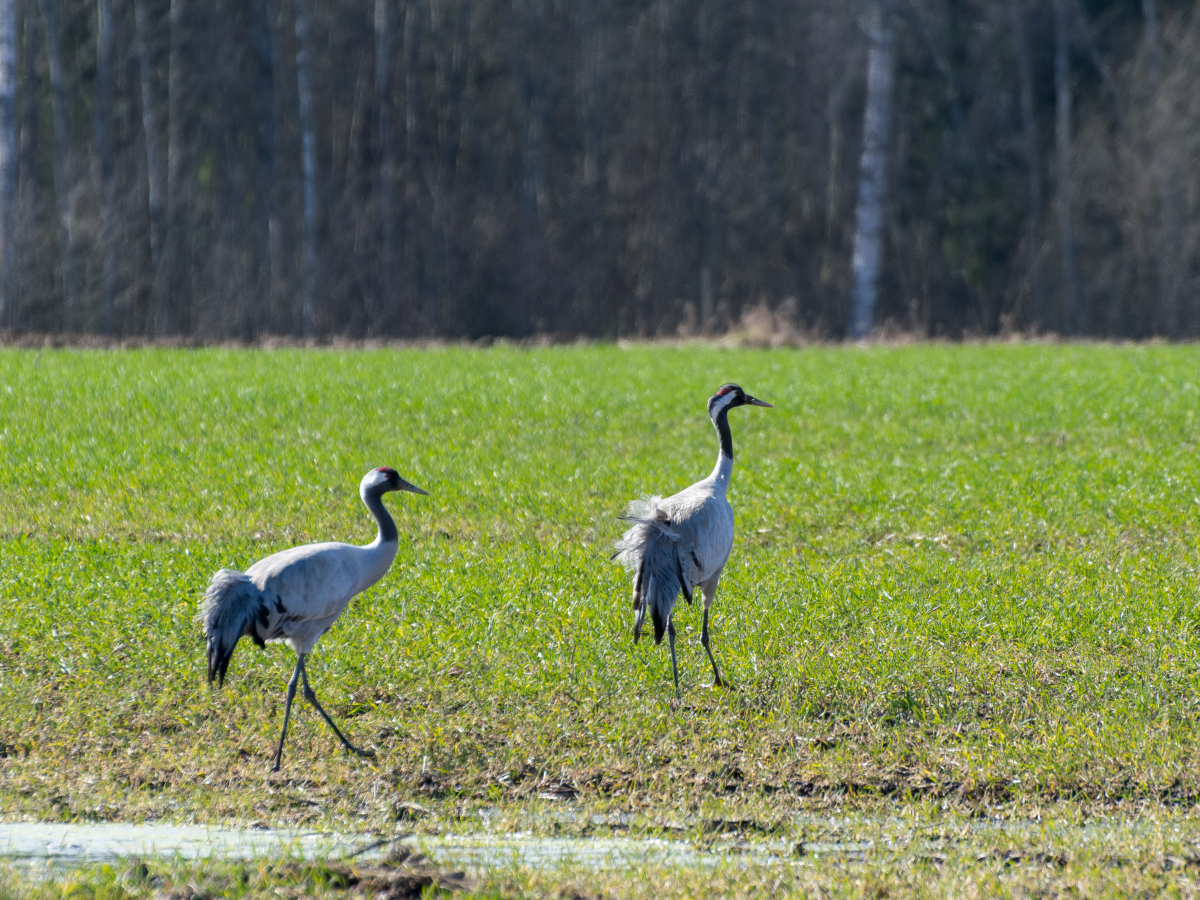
459, 168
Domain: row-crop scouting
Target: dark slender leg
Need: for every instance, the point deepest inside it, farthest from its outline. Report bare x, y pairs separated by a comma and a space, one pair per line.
311, 696
287, 709
671, 641
704, 641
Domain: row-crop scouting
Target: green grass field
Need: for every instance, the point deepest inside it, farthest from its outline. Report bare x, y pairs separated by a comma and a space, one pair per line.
963, 576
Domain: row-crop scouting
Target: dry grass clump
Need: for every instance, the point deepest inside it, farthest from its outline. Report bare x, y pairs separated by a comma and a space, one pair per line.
762, 326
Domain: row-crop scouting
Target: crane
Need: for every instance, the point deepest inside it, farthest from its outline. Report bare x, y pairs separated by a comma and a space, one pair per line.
684, 540
294, 596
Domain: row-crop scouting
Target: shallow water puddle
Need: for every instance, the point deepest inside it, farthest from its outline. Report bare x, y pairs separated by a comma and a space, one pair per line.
65, 844
37, 841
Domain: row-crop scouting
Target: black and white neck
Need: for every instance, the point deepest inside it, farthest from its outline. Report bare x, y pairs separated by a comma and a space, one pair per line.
371, 491
718, 411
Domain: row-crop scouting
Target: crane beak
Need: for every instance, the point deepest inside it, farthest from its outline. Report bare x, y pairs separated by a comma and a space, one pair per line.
406, 486
754, 401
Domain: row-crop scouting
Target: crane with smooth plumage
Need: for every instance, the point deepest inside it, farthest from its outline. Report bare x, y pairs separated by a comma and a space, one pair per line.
294, 596
683, 540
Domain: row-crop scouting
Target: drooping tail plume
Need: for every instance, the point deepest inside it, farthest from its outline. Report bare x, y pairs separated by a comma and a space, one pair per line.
233, 608
650, 549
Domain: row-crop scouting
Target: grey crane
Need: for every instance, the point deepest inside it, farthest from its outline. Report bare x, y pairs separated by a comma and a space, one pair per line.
294, 596
684, 540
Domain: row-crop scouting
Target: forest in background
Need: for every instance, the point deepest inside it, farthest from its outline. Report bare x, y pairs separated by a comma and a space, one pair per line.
229, 169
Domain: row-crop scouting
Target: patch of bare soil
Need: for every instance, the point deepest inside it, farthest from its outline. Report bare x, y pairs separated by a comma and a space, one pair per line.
402, 875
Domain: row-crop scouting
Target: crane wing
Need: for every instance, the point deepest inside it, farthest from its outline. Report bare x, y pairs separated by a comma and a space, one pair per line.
704, 525
314, 581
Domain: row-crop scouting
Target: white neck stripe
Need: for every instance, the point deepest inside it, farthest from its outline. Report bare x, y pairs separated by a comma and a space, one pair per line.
723, 403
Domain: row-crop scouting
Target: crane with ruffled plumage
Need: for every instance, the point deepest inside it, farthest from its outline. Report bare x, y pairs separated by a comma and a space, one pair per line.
684, 540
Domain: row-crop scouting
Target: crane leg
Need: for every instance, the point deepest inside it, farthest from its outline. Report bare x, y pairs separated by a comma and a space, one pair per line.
710, 594
311, 696
717, 682
287, 709
674, 665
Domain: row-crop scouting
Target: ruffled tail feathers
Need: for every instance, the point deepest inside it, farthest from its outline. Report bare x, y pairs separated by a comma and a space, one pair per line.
639, 608
648, 522
648, 519
232, 608
651, 593
639, 618
650, 550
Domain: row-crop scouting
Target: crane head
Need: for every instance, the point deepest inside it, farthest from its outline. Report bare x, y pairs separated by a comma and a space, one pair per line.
383, 479
729, 396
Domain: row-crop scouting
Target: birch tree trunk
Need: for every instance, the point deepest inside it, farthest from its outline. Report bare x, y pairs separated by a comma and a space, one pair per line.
8, 155
156, 175
1062, 142
383, 115
1029, 149
104, 153
266, 226
872, 183
62, 185
308, 145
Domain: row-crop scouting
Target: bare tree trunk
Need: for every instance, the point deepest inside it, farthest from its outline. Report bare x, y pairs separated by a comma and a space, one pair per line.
383, 115
832, 181
445, 199
28, 204
1103, 69
528, 87
104, 153
593, 51
32, 106
1062, 135
1169, 306
155, 173
872, 185
308, 143
414, 282
8, 154
62, 178
168, 295
1029, 148
711, 184
712, 241
266, 226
